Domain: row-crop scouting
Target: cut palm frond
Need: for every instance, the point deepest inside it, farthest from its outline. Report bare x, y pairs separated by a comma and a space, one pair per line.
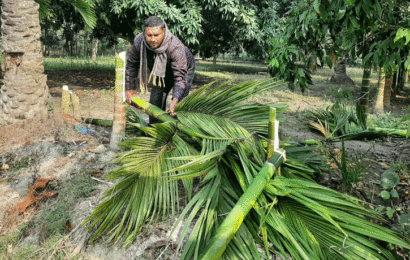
324, 129
293, 216
338, 123
221, 106
143, 189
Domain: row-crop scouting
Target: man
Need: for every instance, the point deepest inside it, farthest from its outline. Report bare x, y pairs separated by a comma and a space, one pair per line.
158, 59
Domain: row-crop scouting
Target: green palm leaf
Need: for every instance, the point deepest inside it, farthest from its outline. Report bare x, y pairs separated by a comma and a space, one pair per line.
220, 139
143, 189
86, 9
220, 106
345, 124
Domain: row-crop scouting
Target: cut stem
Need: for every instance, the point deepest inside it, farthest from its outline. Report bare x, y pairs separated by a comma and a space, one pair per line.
233, 221
271, 132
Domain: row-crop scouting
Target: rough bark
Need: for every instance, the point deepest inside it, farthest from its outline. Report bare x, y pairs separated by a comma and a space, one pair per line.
379, 106
365, 89
24, 94
394, 81
400, 80
119, 122
387, 91
340, 76
95, 49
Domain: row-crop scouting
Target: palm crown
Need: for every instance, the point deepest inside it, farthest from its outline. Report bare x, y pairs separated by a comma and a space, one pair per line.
222, 139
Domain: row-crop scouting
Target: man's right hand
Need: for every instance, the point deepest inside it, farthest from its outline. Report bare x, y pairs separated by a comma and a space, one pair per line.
129, 94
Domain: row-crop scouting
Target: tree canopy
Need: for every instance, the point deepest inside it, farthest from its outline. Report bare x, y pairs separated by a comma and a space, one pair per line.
317, 30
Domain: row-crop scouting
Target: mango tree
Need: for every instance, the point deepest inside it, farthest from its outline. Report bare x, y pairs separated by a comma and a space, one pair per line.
318, 30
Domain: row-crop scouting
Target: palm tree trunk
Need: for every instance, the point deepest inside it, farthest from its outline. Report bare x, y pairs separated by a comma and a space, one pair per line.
118, 128
387, 91
365, 89
394, 83
95, 49
400, 80
24, 94
379, 106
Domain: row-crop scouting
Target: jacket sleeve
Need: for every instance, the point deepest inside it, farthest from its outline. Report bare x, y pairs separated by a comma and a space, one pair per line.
179, 68
133, 65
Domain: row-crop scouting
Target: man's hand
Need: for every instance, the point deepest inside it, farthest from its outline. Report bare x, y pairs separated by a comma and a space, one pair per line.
172, 107
129, 94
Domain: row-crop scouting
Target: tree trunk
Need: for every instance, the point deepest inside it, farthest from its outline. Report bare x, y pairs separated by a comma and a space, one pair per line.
24, 94
365, 89
214, 59
340, 76
387, 91
85, 44
394, 82
400, 80
379, 106
95, 48
118, 129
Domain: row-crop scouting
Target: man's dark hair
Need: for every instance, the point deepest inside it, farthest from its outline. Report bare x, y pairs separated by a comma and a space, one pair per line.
154, 21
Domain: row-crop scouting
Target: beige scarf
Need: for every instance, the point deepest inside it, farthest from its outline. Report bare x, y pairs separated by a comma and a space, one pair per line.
157, 75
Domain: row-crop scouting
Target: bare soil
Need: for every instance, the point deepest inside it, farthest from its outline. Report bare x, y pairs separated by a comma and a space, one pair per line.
58, 147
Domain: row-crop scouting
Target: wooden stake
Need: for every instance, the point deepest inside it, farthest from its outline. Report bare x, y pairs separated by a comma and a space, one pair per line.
66, 101
76, 106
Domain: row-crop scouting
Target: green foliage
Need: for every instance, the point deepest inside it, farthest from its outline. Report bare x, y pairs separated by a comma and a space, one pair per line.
388, 120
373, 30
102, 63
134, 121
389, 180
404, 220
282, 65
219, 137
50, 249
351, 169
339, 119
54, 217
84, 7
340, 123
22, 163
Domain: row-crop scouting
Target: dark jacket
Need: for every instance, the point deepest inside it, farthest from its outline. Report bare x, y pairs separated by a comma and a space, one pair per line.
179, 61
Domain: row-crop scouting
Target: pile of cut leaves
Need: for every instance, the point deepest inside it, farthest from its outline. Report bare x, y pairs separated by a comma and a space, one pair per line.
338, 122
248, 206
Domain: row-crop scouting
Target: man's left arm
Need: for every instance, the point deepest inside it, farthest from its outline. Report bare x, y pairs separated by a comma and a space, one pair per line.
179, 67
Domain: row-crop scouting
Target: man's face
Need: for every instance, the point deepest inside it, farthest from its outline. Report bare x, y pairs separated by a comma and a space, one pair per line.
154, 36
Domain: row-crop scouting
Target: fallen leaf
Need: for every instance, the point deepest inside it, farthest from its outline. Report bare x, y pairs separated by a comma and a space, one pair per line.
384, 165
10, 249
5, 167
68, 225
32, 197
97, 173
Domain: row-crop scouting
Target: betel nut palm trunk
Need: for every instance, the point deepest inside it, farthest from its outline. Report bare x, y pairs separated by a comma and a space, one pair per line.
118, 129
24, 93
